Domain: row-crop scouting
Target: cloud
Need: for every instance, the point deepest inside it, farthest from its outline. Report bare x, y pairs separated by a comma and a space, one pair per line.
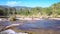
12, 3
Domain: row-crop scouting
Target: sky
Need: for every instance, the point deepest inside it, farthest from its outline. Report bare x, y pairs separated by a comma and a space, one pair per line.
29, 3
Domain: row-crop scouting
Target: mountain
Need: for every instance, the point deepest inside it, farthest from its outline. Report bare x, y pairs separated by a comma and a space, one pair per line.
23, 7
17, 7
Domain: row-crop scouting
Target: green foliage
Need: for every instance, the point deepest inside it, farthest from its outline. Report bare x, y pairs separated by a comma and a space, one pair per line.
58, 12
46, 11
52, 10
25, 12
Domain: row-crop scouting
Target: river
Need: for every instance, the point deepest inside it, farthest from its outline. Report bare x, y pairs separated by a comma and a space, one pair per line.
36, 25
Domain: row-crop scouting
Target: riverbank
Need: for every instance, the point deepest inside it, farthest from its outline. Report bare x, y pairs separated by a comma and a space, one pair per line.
27, 18
54, 18
38, 18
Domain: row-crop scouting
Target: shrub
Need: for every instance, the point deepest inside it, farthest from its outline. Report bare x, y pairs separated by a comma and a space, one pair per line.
12, 18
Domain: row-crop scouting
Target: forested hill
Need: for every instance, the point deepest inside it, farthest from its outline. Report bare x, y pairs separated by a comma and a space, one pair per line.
53, 10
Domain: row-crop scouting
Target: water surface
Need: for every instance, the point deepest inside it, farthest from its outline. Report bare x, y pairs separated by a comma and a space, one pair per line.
38, 24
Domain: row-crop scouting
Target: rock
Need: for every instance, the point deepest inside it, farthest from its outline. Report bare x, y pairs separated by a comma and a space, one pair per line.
22, 33
9, 31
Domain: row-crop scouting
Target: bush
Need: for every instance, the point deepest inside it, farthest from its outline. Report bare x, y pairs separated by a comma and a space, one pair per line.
12, 18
